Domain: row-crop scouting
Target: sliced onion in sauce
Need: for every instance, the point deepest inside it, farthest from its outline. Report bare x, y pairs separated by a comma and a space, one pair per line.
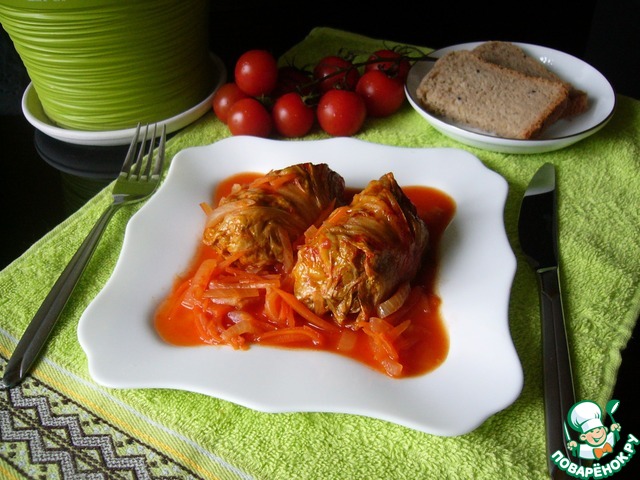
394, 302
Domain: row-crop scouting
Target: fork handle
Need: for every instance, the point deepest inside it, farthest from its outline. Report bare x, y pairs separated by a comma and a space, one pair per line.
38, 331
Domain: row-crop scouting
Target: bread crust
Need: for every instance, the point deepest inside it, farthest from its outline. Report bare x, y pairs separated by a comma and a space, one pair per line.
466, 89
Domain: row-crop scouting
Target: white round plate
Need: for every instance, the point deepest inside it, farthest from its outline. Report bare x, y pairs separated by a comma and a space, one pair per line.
561, 134
477, 267
35, 115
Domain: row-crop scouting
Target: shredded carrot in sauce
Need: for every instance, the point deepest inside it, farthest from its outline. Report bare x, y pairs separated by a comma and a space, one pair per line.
216, 303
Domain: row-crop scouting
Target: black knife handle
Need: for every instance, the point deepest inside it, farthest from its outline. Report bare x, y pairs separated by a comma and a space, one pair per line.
559, 395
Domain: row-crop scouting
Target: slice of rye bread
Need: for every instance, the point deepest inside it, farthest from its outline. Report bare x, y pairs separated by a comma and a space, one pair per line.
466, 89
512, 56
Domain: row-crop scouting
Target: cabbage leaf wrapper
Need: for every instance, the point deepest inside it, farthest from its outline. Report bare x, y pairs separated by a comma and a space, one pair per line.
261, 222
362, 254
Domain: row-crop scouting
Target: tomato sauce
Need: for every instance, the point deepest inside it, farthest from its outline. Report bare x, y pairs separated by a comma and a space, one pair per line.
420, 348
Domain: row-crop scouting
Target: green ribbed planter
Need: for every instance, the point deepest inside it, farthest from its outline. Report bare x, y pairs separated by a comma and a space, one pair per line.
107, 65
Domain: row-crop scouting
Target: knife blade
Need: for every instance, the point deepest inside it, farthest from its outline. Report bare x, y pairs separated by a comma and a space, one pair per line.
538, 235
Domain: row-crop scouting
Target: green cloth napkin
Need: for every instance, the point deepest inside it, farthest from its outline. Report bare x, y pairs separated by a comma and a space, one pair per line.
190, 435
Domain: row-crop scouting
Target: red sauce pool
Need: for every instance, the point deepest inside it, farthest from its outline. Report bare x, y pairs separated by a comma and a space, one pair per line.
422, 347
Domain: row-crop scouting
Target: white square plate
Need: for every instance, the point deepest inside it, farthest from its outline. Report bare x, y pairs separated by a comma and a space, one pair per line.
477, 267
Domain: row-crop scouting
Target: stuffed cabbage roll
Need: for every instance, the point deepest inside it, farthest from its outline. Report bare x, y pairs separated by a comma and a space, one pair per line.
261, 221
362, 253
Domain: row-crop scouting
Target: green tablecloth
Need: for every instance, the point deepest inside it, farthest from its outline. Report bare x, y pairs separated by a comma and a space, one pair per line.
60, 420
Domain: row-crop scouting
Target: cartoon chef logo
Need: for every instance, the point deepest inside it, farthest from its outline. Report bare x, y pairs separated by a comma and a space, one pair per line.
596, 440
594, 443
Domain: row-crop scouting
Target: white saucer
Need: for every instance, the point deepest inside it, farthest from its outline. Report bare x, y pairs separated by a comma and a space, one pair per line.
563, 133
35, 115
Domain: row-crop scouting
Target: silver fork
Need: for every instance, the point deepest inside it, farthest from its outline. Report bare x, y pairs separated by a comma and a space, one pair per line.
137, 180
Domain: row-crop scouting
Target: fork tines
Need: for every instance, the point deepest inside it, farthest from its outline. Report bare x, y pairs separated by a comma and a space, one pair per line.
133, 170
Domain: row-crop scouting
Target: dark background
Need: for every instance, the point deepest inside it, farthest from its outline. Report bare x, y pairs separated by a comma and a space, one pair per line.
35, 197
602, 32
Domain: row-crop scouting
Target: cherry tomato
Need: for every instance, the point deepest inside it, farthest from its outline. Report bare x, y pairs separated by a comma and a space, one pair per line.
249, 117
225, 96
341, 113
292, 79
256, 72
382, 95
390, 62
328, 66
291, 116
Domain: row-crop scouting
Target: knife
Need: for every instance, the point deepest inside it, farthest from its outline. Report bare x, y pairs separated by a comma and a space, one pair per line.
538, 234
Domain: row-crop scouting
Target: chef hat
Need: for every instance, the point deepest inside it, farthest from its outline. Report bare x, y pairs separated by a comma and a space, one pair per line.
585, 416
